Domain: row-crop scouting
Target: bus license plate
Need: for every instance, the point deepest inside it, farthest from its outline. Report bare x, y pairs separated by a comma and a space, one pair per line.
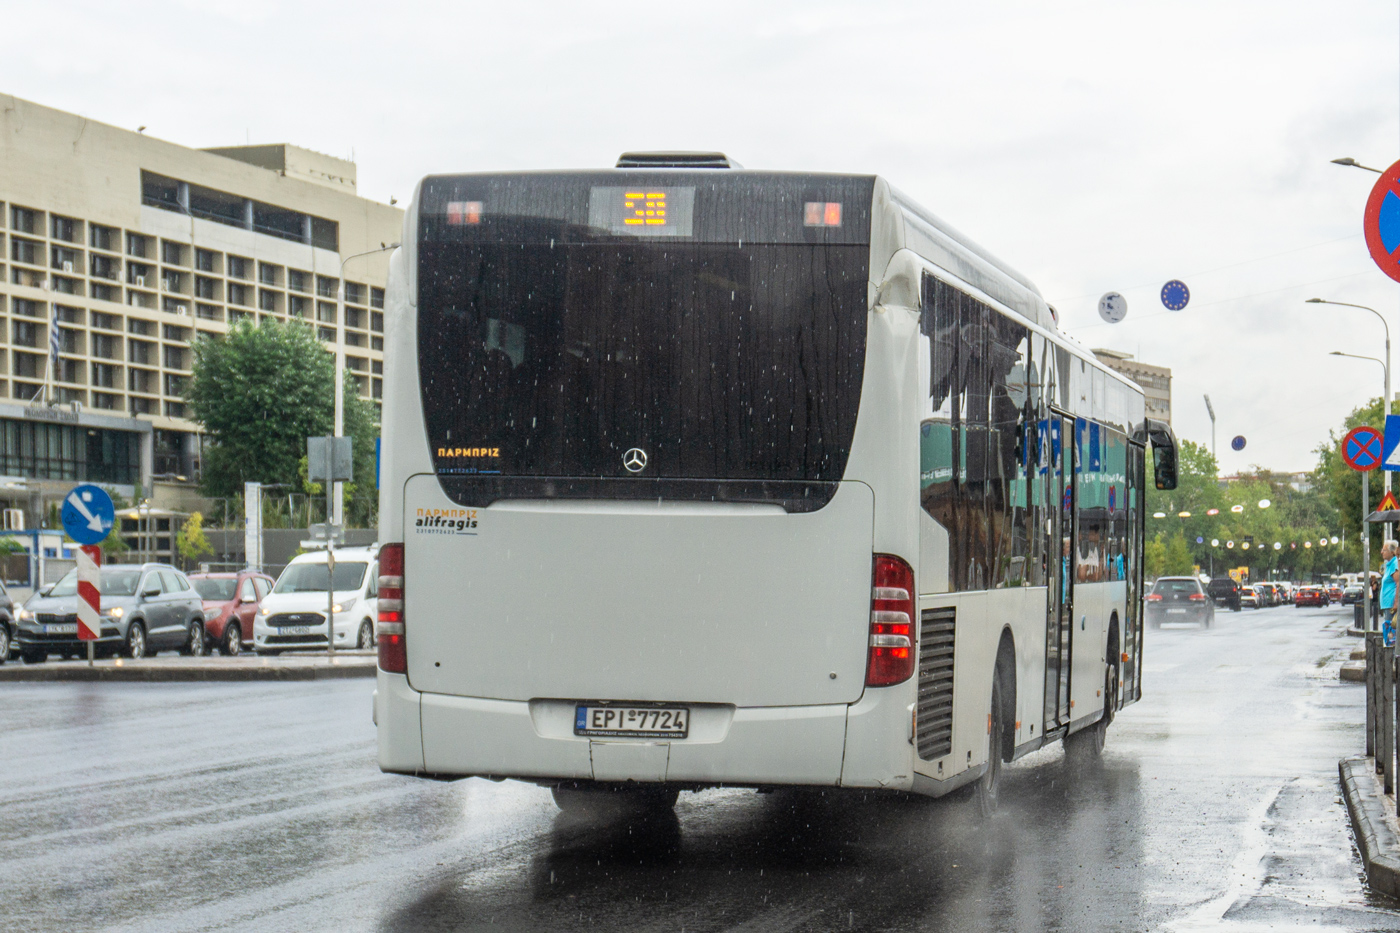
63, 628
640, 721
294, 630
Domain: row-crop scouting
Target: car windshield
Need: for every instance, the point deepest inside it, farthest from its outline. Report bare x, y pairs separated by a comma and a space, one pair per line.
114, 583
1176, 586
311, 578
216, 589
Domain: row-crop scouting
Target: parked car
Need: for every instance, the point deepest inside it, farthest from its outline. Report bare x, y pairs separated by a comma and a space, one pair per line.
1334, 592
1249, 598
1352, 594
230, 600
1311, 596
146, 608
294, 614
8, 645
1226, 592
1179, 599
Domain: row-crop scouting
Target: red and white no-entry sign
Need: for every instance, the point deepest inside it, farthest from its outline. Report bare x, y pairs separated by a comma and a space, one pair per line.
89, 592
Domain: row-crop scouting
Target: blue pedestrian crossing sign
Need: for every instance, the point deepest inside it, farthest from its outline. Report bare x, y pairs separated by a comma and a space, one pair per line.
88, 514
1390, 459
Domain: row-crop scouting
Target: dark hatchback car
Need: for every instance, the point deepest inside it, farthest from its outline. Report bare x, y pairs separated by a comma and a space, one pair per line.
230, 600
145, 608
1179, 599
1352, 595
1225, 592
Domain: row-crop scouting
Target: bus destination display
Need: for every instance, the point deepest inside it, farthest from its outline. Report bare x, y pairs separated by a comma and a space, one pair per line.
642, 211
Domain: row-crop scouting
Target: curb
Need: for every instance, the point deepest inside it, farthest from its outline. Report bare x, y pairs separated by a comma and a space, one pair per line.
1375, 836
1353, 672
171, 673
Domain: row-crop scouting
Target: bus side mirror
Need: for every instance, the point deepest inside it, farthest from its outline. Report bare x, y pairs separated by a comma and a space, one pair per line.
1159, 435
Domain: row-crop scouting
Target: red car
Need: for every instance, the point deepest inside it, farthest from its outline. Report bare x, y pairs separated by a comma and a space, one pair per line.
230, 600
1311, 596
1334, 593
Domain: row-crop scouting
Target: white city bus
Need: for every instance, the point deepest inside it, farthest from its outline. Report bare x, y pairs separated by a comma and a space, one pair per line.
702, 476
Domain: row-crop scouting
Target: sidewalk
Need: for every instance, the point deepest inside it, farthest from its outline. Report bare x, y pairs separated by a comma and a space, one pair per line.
1373, 822
308, 666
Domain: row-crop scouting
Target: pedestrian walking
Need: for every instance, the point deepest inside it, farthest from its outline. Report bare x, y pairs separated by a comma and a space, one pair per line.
1390, 575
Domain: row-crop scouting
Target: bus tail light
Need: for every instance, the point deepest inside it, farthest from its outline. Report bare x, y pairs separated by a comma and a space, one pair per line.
891, 658
393, 656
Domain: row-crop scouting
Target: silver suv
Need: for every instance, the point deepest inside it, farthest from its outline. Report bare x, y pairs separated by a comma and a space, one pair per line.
145, 608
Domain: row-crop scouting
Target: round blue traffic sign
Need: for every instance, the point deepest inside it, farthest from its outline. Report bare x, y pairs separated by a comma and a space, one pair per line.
1361, 448
1175, 295
1238, 443
88, 514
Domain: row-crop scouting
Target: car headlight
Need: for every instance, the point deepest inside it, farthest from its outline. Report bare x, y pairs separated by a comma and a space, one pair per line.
212, 613
115, 612
24, 615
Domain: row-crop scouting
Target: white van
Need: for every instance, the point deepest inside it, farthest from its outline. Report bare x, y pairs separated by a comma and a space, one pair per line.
293, 615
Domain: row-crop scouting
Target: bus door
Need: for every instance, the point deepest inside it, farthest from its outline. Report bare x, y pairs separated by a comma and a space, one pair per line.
1060, 617
1131, 674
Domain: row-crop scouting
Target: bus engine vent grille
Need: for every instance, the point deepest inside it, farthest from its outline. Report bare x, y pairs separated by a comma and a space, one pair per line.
933, 720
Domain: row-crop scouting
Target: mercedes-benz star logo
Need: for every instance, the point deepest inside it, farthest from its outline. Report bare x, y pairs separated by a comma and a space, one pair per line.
635, 460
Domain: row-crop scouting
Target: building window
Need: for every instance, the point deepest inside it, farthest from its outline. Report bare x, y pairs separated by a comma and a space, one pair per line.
267, 301
354, 293
376, 367
175, 359
171, 332
104, 400
204, 260
70, 370
353, 339
267, 274
376, 297
141, 406
24, 333
171, 281
325, 334
206, 288
172, 253
325, 287
141, 380
139, 274
296, 280
209, 312
106, 375
137, 245
105, 346
104, 267
325, 312
238, 267
64, 259
175, 385
376, 321
139, 351
27, 308
237, 294
100, 237
64, 228
106, 321
297, 306
106, 292
65, 451
376, 343
70, 315
26, 251
29, 365
355, 318
66, 286
24, 220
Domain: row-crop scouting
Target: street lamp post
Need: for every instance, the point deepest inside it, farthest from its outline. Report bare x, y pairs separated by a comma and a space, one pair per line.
1365, 504
339, 499
1385, 399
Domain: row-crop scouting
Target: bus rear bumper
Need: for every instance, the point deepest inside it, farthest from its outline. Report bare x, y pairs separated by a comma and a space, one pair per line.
801, 745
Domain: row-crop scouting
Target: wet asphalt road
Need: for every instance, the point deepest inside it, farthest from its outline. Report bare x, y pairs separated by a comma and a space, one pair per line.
258, 806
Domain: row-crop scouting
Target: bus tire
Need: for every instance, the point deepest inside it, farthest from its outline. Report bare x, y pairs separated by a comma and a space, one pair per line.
1087, 744
987, 790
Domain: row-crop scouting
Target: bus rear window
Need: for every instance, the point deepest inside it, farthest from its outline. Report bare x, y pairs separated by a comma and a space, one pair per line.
600, 356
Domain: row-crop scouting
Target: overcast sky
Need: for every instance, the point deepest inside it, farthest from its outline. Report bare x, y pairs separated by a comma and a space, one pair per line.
1093, 146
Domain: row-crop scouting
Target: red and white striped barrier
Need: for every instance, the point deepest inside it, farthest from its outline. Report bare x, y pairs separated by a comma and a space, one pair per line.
89, 592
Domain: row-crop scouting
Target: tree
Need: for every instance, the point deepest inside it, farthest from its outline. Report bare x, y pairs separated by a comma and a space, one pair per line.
1154, 558
1178, 558
260, 392
191, 542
